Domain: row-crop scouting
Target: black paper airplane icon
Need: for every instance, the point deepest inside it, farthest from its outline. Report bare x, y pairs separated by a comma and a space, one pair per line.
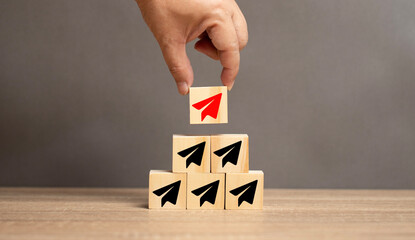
196, 152
248, 192
233, 153
210, 191
171, 195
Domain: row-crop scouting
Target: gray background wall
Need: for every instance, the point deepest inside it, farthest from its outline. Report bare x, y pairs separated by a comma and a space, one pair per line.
326, 92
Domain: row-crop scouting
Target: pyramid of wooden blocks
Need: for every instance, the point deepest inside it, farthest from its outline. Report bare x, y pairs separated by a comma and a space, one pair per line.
209, 172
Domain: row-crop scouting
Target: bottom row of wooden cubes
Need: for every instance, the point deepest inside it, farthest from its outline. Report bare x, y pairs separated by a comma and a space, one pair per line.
168, 190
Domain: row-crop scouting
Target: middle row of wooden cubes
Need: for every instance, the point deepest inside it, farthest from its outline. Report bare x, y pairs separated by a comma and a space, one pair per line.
216, 153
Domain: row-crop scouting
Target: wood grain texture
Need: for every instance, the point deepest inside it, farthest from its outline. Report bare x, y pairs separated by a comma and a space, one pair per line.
197, 94
220, 141
54, 213
161, 178
238, 180
182, 142
197, 180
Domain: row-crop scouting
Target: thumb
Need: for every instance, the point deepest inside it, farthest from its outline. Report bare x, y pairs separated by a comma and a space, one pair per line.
179, 65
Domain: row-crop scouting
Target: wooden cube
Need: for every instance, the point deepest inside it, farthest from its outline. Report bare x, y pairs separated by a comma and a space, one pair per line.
229, 153
208, 105
205, 191
244, 190
167, 190
191, 153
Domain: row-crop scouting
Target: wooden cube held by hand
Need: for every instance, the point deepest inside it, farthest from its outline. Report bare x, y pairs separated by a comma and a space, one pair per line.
208, 105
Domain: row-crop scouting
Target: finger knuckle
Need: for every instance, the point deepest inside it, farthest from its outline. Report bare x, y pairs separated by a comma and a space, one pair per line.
176, 68
233, 45
243, 41
218, 15
219, 10
217, 3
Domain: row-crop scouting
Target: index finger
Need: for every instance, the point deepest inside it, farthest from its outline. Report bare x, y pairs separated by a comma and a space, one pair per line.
225, 39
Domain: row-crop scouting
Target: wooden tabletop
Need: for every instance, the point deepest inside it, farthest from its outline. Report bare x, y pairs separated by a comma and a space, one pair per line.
75, 213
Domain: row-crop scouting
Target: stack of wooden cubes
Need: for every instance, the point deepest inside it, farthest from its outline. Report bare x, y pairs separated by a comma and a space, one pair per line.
208, 172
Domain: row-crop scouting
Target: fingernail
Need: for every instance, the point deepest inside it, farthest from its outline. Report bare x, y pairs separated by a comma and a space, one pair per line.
230, 86
183, 88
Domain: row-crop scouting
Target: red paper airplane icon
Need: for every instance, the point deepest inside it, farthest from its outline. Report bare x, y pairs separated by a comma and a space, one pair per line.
212, 104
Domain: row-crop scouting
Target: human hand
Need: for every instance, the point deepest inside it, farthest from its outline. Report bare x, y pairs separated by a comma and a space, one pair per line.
219, 24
